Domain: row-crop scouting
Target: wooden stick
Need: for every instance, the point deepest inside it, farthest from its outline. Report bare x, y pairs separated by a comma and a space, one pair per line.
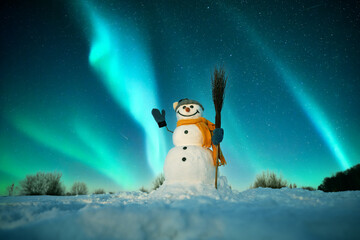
217, 164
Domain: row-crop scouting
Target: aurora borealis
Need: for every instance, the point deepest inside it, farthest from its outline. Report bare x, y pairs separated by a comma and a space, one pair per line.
79, 80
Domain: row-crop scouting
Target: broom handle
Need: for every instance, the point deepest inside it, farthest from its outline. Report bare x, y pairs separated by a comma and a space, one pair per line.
217, 125
217, 164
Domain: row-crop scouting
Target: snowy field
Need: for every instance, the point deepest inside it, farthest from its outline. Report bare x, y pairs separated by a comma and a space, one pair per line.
252, 214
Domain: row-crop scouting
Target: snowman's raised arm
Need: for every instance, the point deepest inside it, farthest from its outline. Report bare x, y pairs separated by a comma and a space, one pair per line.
159, 117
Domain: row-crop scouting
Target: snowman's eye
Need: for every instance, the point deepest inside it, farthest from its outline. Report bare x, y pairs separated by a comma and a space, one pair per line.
184, 107
191, 106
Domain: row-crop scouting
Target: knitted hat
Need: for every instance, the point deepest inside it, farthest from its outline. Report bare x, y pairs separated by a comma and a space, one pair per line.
186, 101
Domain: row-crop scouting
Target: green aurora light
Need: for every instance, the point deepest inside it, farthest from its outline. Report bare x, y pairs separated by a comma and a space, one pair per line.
120, 59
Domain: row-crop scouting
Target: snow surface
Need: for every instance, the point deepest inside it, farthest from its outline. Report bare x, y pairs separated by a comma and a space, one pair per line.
185, 212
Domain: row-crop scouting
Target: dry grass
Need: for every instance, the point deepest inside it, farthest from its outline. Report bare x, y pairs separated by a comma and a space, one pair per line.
269, 180
158, 181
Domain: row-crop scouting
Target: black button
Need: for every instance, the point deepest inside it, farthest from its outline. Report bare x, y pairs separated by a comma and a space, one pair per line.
186, 131
184, 148
184, 159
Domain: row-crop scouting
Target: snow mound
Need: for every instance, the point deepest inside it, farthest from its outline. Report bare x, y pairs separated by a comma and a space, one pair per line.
180, 190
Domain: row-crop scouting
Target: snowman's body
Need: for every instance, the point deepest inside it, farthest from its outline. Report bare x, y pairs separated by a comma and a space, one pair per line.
189, 162
188, 135
190, 165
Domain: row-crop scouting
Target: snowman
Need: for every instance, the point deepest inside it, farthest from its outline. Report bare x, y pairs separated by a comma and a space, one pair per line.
191, 161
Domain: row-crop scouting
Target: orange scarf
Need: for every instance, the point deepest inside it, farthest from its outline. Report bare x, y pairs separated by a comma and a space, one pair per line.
206, 128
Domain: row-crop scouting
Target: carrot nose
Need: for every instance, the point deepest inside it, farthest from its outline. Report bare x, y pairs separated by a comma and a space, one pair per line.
187, 109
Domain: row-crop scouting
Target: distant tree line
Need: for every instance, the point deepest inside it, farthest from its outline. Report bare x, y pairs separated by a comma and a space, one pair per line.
50, 183
342, 181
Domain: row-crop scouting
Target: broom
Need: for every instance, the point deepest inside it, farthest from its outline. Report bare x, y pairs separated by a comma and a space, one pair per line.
218, 83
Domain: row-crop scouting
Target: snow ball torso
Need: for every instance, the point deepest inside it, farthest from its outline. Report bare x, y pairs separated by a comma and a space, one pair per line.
186, 135
189, 164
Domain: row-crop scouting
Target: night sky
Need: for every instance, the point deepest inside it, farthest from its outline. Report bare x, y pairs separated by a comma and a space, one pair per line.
79, 80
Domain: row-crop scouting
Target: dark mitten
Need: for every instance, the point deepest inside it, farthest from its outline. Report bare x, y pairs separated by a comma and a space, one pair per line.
159, 117
218, 136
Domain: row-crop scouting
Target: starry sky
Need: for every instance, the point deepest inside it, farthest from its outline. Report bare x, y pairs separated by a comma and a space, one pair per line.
79, 80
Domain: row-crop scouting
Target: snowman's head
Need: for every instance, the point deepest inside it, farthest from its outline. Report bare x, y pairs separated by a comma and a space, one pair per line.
188, 109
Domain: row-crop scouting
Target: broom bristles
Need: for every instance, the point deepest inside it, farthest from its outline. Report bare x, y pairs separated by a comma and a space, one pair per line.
218, 82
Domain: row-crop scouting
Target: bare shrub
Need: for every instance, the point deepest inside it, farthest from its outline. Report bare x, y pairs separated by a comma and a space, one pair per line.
144, 190
34, 184
269, 180
158, 181
10, 189
308, 188
99, 191
54, 186
79, 188
42, 184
